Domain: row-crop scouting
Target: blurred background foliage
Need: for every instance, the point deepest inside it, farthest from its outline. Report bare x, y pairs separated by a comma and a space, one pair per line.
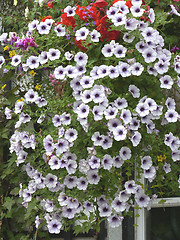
15, 223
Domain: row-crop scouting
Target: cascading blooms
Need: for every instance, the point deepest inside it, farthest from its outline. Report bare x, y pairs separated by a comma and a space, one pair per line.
113, 118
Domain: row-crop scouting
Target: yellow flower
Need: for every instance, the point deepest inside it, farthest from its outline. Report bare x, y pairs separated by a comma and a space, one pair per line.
161, 158
6, 48
32, 72
12, 53
20, 100
3, 87
37, 87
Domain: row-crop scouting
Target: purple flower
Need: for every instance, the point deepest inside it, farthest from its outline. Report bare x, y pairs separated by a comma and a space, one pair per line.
175, 49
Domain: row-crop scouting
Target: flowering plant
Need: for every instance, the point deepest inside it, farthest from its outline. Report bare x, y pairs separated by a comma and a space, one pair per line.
95, 112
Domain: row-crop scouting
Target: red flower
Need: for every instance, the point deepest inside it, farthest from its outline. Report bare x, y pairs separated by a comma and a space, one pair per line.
81, 12
110, 35
114, 1
68, 20
50, 4
92, 12
101, 23
80, 46
100, 4
129, 4
44, 19
113, 35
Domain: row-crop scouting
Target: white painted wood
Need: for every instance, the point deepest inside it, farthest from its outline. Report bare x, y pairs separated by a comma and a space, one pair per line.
114, 233
169, 202
140, 222
140, 229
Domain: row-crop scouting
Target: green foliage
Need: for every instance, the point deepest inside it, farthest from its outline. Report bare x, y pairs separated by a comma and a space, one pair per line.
16, 216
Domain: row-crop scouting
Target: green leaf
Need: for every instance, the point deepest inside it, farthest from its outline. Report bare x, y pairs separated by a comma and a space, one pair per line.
8, 203
161, 201
15, 191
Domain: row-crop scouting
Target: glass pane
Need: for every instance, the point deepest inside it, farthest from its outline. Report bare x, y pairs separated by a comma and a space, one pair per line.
128, 228
164, 224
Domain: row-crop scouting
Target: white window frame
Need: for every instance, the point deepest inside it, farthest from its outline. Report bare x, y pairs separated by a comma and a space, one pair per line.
141, 221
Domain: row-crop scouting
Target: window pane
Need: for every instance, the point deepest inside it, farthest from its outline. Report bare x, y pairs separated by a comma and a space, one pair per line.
164, 224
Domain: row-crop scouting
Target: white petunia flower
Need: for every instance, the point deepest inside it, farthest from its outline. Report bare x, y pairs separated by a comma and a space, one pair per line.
81, 58
120, 133
60, 30
120, 51
53, 54
121, 5
170, 103
130, 186
141, 46
70, 11
107, 50
149, 34
120, 103
71, 134
146, 162
166, 82
32, 62
173, 10
43, 28
125, 153
126, 116
98, 94
95, 35
161, 67
31, 96
16, 60
59, 72
54, 163
83, 110
131, 24
136, 2
142, 109
137, 11
136, 138
82, 33
43, 57
134, 91
98, 112
128, 37
71, 71
151, 15
142, 200
3, 37
112, 12
2, 61
115, 221
119, 19
33, 25
110, 112
171, 115
137, 69
149, 55
124, 69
